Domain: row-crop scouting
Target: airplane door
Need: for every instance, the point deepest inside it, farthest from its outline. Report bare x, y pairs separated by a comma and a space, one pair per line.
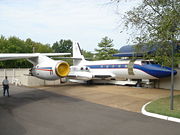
130, 67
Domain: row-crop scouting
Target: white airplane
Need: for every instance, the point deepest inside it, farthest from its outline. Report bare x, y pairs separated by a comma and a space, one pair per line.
116, 68
43, 66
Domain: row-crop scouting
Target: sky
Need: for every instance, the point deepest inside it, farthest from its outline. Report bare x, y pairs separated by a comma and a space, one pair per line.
48, 21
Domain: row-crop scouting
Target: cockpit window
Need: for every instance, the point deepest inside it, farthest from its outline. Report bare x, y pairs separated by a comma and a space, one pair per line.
144, 62
152, 62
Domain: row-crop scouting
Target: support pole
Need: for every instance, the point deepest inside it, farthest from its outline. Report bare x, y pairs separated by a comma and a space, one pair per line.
172, 80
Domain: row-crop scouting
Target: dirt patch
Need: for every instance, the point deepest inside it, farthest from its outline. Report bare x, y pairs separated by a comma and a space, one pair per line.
123, 97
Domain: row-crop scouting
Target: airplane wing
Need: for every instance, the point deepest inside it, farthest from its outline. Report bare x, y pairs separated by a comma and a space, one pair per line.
129, 54
67, 58
12, 56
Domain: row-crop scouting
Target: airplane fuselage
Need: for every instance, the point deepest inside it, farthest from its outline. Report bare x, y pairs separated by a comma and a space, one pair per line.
119, 68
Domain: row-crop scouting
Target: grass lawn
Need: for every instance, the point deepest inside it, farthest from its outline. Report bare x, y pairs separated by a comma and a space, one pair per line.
162, 106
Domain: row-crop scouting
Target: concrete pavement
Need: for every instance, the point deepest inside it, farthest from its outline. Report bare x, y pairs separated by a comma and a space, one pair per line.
30, 111
122, 97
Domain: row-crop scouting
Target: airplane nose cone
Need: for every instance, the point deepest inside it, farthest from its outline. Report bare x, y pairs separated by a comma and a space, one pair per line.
165, 72
168, 73
159, 71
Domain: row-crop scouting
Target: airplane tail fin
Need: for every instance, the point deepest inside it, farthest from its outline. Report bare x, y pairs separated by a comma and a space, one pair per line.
77, 54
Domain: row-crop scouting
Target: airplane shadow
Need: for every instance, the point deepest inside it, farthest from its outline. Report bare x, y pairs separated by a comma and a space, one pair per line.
67, 85
20, 99
8, 122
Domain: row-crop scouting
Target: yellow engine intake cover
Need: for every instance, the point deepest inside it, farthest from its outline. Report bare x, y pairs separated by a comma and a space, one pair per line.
62, 69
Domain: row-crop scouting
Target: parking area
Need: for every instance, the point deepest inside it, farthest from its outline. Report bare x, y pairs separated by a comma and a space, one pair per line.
122, 97
73, 109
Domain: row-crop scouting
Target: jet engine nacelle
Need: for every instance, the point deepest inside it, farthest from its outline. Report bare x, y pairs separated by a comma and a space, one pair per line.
80, 73
51, 70
83, 76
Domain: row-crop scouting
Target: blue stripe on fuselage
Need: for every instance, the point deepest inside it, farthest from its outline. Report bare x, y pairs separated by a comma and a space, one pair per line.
107, 66
152, 69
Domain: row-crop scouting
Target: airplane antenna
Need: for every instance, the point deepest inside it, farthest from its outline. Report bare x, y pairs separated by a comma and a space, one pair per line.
79, 48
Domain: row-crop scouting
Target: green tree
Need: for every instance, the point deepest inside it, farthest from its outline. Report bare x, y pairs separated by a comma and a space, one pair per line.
3, 44
63, 46
13, 45
156, 22
88, 55
16, 45
38, 47
106, 49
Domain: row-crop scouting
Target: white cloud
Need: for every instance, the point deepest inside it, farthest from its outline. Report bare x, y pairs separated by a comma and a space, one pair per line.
47, 21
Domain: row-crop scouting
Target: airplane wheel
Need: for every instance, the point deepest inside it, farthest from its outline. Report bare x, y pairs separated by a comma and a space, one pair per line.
138, 84
90, 82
